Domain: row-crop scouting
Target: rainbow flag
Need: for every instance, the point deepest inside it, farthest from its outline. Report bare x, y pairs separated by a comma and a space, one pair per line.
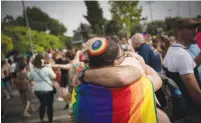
131, 104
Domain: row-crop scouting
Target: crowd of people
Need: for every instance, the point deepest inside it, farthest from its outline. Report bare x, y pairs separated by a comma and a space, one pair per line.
114, 80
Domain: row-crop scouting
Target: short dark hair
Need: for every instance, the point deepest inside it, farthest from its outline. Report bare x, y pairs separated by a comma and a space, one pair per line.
108, 57
37, 60
21, 67
10, 61
70, 54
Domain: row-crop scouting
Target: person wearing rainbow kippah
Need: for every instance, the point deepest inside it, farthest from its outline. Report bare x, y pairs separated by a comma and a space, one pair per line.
129, 104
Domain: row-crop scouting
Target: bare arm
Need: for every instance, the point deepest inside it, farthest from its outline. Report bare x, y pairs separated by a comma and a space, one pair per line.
156, 80
61, 66
112, 76
192, 86
152, 74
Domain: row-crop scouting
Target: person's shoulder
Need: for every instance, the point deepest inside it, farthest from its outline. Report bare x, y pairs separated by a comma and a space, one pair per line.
129, 61
145, 45
145, 48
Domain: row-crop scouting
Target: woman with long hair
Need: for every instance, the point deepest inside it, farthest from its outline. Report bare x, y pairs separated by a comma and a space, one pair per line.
43, 86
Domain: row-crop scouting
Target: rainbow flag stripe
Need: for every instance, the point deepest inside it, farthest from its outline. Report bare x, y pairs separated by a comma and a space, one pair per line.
131, 104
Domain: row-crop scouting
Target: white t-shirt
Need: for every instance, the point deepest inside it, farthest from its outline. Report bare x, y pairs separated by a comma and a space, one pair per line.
39, 84
12, 67
178, 59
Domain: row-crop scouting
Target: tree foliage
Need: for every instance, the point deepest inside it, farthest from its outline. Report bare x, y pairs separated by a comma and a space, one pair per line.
136, 28
38, 20
41, 41
170, 22
55, 27
112, 27
86, 31
126, 12
94, 16
66, 40
6, 43
153, 27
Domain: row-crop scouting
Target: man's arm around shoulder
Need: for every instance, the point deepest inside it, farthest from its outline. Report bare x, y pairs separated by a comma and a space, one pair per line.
117, 76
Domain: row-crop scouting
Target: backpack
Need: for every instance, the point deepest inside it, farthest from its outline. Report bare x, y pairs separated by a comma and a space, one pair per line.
171, 99
21, 82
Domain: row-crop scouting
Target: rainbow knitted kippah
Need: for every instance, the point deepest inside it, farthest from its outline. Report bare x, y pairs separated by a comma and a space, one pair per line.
98, 47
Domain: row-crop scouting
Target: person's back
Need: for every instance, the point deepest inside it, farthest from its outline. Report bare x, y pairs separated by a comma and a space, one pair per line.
131, 104
38, 75
43, 86
150, 57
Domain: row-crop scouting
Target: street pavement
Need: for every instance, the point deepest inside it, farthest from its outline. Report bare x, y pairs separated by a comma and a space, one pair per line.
14, 111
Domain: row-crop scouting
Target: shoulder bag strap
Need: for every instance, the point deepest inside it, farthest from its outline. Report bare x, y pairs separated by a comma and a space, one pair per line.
42, 78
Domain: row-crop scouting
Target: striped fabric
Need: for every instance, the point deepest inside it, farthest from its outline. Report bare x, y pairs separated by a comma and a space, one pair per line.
131, 104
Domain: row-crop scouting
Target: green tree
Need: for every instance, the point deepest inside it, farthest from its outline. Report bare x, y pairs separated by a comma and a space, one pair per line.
66, 40
40, 21
126, 12
112, 27
94, 16
198, 17
41, 41
6, 43
9, 19
55, 27
170, 22
85, 31
153, 27
136, 28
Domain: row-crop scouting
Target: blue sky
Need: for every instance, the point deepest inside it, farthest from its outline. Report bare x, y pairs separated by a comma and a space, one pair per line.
70, 13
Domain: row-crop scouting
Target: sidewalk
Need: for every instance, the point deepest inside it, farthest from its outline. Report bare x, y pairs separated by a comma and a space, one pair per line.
14, 109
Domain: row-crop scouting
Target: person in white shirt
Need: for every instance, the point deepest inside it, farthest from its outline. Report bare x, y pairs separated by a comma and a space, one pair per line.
43, 85
181, 67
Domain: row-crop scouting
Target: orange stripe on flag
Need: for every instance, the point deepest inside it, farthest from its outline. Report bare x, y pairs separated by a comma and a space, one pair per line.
136, 102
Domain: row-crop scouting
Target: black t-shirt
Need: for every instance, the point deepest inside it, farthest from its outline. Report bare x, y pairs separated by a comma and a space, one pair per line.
61, 61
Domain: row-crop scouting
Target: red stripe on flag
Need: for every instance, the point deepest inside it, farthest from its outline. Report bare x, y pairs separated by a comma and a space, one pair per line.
121, 101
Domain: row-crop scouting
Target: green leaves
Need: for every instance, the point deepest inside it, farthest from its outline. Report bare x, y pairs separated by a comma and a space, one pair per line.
154, 27
41, 41
38, 20
113, 27
94, 16
126, 12
6, 42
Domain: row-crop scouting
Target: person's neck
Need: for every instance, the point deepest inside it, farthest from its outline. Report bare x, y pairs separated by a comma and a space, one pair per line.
181, 41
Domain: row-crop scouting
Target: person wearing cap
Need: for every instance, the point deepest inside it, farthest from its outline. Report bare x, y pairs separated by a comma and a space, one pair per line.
181, 67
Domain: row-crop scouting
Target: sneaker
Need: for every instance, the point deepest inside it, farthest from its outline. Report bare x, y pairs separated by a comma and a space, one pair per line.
26, 114
60, 99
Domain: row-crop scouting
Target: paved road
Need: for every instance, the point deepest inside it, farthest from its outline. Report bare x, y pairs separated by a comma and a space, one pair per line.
14, 109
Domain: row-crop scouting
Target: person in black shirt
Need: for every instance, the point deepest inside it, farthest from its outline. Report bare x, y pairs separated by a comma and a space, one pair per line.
64, 72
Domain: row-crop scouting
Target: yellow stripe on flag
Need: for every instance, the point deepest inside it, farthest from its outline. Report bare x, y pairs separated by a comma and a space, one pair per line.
148, 110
